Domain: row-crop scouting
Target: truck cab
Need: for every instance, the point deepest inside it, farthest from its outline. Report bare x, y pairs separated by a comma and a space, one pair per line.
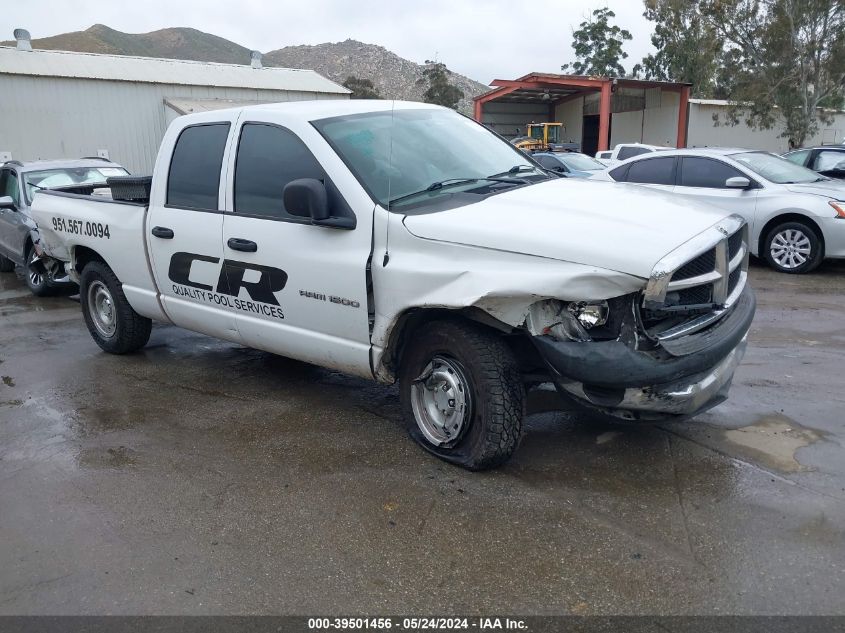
403, 242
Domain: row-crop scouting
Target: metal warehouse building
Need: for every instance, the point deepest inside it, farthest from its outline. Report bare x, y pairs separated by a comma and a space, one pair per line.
57, 104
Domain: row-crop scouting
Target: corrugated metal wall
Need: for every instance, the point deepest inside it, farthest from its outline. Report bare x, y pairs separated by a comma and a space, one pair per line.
45, 117
505, 118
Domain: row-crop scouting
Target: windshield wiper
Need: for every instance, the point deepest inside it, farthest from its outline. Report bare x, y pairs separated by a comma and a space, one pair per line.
517, 169
453, 182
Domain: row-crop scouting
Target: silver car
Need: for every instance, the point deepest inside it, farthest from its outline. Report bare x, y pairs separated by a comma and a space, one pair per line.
796, 216
18, 182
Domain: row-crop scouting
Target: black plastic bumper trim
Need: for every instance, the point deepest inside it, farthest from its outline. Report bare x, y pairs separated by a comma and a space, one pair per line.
614, 364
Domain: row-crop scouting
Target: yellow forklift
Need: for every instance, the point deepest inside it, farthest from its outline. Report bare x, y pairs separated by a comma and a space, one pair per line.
543, 137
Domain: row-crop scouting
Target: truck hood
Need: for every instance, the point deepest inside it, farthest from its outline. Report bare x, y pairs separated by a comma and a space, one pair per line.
829, 189
626, 228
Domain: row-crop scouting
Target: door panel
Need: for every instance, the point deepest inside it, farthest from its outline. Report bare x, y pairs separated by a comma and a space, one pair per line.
288, 297
703, 179
185, 234
13, 230
297, 289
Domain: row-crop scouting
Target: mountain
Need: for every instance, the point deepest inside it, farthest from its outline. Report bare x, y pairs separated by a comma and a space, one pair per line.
394, 76
173, 43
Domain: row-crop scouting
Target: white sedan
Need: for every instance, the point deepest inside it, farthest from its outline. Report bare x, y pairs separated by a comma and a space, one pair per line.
796, 216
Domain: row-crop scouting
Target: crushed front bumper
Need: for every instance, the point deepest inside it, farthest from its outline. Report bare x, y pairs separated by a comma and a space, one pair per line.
670, 382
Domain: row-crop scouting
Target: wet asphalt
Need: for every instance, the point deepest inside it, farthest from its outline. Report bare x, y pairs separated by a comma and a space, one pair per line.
198, 477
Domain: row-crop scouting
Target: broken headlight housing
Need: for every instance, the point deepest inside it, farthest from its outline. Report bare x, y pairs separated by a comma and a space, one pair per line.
578, 321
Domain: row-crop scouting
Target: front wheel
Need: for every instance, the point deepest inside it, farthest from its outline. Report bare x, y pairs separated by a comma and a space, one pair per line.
37, 283
462, 395
112, 322
793, 247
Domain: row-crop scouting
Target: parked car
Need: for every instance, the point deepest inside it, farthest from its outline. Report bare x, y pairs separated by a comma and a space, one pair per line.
403, 241
18, 183
828, 160
797, 217
624, 151
569, 164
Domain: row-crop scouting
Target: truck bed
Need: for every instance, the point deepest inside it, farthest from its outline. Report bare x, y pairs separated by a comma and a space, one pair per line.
71, 226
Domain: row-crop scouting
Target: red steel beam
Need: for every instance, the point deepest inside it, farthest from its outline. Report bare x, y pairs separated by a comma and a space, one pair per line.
683, 116
604, 118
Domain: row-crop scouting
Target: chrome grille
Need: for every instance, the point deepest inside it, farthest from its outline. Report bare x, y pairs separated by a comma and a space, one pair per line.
695, 285
702, 264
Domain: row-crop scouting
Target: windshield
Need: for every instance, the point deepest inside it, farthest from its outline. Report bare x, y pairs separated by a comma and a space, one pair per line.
64, 177
776, 169
581, 162
412, 154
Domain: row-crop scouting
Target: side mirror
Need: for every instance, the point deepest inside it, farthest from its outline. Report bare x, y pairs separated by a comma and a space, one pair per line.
6, 202
738, 182
308, 198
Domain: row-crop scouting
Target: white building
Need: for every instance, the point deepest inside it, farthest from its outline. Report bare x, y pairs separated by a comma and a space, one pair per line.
57, 104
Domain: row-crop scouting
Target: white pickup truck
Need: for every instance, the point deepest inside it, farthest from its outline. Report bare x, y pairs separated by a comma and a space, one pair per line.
403, 241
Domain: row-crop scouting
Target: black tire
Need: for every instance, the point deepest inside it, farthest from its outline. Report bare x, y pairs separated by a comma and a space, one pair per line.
131, 331
491, 426
6, 265
793, 232
38, 284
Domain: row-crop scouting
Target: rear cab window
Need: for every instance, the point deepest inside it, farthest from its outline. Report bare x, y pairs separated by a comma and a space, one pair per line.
193, 181
630, 152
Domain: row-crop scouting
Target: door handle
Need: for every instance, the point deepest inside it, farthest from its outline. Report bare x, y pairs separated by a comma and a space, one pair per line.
238, 244
162, 232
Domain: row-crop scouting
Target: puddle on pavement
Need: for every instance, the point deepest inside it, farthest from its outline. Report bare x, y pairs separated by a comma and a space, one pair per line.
773, 441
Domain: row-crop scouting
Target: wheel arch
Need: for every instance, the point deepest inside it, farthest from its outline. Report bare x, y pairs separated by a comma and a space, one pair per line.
81, 256
787, 216
412, 319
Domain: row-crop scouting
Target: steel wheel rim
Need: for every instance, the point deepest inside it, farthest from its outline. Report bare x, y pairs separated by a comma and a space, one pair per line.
441, 401
36, 279
101, 308
791, 248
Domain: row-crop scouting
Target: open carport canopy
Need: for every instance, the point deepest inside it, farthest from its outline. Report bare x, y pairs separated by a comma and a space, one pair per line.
553, 90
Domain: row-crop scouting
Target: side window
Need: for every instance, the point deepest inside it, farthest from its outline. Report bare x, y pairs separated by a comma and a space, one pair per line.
620, 174
827, 160
653, 171
706, 172
270, 157
631, 151
799, 157
605, 155
9, 186
194, 178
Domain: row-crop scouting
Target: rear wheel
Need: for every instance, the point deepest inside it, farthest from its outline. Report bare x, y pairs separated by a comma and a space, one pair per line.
462, 395
112, 322
793, 247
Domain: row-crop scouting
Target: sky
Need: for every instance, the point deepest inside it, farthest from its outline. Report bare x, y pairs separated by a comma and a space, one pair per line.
484, 40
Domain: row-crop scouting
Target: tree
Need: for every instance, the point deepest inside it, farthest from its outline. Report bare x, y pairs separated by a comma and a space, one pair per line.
780, 61
361, 88
598, 46
688, 49
440, 91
